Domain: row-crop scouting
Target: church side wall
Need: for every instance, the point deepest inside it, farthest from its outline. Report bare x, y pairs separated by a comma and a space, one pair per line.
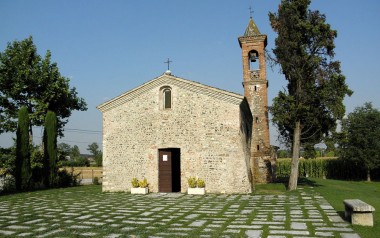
246, 121
207, 131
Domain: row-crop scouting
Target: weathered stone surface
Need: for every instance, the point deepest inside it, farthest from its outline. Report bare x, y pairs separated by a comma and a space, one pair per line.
358, 206
204, 122
253, 233
362, 219
358, 212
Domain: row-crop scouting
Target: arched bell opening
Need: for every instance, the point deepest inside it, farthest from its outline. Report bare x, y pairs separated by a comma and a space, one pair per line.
254, 64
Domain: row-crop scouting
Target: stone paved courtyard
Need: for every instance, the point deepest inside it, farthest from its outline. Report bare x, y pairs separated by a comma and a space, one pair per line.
86, 212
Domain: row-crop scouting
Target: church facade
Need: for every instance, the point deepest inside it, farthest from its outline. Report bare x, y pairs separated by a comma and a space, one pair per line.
170, 129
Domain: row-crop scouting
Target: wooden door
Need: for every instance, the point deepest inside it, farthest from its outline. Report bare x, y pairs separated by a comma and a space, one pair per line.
165, 171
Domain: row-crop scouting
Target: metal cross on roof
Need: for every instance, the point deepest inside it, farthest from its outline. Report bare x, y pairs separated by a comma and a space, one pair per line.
168, 62
250, 11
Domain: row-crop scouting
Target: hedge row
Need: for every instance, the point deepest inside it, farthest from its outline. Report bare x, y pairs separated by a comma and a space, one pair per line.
326, 168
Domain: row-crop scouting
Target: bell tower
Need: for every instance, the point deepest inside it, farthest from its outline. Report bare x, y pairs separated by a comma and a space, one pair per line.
255, 85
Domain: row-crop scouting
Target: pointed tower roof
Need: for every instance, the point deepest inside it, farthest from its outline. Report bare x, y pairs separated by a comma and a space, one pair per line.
252, 34
252, 29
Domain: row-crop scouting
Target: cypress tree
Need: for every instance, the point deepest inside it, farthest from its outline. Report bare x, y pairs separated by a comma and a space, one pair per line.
50, 147
23, 170
308, 110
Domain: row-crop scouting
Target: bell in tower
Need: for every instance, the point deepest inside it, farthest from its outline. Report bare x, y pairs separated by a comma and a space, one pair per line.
253, 56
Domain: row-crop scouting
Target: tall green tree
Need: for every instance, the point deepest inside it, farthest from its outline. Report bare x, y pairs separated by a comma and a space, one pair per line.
360, 140
23, 173
27, 79
75, 152
63, 151
96, 152
50, 146
313, 101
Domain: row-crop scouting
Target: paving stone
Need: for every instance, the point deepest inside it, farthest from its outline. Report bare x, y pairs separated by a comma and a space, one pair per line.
341, 224
307, 219
5, 232
192, 216
333, 229
276, 232
172, 234
136, 222
84, 217
17, 227
50, 233
181, 229
93, 223
246, 212
324, 234
218, 222
327, 207
277, 227
279, 218
89, 234
113, 236
253, 233
128, 228
267, 223
319, 224
25, 234
244, 226
69, 221
335, 219
349, 235
298, 226
198, 223
146, 213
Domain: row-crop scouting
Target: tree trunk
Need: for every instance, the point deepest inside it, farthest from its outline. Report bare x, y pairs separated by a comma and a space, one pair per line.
368, 175
295, 158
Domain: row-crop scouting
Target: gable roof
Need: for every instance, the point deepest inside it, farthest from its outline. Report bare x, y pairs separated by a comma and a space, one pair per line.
167, 79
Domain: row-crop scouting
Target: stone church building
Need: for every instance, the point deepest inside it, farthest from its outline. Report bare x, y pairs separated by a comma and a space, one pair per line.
170, 129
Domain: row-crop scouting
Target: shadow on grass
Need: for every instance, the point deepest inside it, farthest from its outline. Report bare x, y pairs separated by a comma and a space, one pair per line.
301, 181
280, 186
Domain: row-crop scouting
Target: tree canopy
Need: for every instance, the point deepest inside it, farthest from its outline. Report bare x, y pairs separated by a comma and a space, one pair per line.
360, 137
96, 152
313, 101
27, 79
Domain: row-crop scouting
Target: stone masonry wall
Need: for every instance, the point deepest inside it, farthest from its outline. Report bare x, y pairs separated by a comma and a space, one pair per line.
205, 128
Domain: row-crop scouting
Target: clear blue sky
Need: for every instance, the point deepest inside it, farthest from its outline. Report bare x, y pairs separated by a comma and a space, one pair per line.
109, 47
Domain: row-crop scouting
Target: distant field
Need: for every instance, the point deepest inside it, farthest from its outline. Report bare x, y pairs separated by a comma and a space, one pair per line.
87, 172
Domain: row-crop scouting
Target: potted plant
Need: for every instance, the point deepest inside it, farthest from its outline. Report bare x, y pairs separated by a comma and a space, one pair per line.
196, 186
139, 187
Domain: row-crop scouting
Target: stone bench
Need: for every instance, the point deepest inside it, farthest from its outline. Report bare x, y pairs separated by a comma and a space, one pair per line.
358, 212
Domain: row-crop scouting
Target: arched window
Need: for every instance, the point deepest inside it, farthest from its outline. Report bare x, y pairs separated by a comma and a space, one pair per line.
167, 98
253, 60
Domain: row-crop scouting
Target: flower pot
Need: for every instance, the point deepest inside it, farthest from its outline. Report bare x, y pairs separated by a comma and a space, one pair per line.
197, 191
139, 190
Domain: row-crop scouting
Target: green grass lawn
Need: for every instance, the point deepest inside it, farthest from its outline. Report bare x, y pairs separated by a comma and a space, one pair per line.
335, 191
